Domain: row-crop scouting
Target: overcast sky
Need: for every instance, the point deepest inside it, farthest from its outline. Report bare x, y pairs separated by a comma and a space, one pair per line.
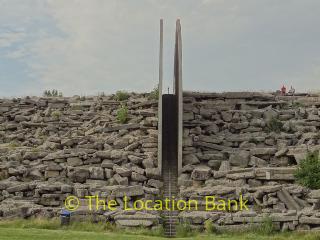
90, 46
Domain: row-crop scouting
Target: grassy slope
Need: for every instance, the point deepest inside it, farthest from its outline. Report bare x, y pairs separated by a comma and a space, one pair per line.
39, 234
38, 229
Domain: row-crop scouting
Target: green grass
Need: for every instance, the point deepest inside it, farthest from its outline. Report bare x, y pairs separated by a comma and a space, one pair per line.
154, 94
308, 171
37, 234
121, 96
122, 114
47, 234
38, 229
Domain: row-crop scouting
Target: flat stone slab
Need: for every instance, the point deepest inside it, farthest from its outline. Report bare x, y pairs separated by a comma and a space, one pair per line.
275, 218
309, 220
128, 191
138, 219
276, 173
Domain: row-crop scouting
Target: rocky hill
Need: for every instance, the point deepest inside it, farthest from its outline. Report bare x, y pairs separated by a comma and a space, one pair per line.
244, 143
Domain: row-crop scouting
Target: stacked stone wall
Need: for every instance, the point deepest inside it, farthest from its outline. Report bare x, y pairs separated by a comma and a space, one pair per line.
249, 145
52, 148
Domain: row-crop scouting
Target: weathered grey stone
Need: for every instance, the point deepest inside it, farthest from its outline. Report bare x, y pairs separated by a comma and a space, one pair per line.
241, 175
103, 154
239, 126
226, 116
79, 174
184, 180
34, 155
212, 128
50, 200
211, 139
216, 191
108, 173
314, 194
201, 173
15, 157
96, 173
121, 143
66, 188
240, 159
152, 191
198, 217
155, 183
275, 173
288, 200
129, 191
210, 156
215, 164
254, 183
121, 180
148, 163
138, 177
51, 174
18, 188
263, 151
190, 159
281, 152
309, 220
122, 171
135, 159
153, 173
257, 162
68, 142
136, 220
74, 161
187, 116
116, 154
34, 174
225, 166
270, 114
107, 164
54, 167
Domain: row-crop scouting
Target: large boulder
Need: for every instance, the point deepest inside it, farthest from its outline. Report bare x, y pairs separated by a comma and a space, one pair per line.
190, 159
240, 159
78, 174
96, 173
121, 143
122, 171
138, 177
201, 173
129, 191
74, 162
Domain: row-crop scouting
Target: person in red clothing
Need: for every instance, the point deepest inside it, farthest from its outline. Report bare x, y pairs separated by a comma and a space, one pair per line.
283, 90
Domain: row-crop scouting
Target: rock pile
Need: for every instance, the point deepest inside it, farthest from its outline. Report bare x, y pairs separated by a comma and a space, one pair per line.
249, 144
51, 148
235, 144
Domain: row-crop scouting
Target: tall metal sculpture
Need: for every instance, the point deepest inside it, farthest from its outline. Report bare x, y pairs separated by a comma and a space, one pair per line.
178, 88
178, 92
170, 132
160, 97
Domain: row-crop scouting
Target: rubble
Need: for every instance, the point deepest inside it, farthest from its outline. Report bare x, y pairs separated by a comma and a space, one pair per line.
51, 148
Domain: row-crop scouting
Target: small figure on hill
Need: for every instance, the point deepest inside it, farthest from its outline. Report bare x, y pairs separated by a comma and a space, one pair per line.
291, 91
283, 90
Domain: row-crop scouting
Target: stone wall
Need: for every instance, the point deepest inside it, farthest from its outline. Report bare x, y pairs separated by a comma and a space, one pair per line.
249, 144
51, 148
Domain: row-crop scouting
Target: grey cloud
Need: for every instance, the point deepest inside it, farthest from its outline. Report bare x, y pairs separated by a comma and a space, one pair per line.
227, 45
